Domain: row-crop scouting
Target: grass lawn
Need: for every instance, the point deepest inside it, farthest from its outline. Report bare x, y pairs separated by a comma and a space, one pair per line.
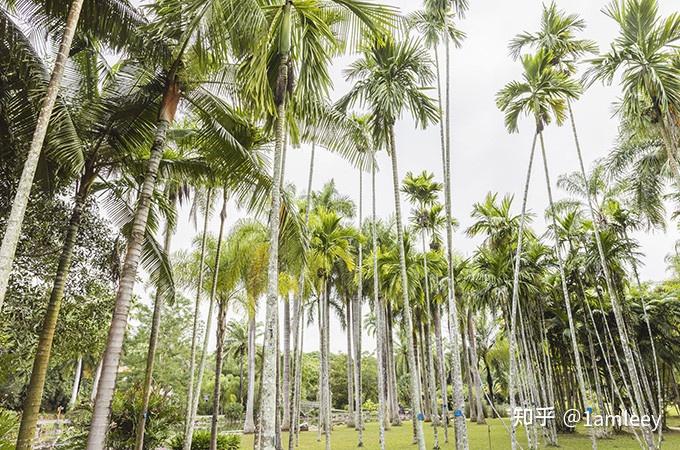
482, 437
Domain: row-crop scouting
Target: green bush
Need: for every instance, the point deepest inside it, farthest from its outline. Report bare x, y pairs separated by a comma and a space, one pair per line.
8, 422
163, 420
233, 411
201, 441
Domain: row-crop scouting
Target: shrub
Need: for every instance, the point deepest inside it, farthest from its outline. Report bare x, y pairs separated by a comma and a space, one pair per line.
8, 422
163, 419
201, 441
233, 411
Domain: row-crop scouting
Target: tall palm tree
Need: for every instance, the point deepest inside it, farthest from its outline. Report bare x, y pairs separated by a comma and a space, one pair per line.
105, 155
153, 334
172, 66
123, 18
541, 95
422, 191
436, 22
382, 403
329, 245
298, 324
236, 348
252, 264
279, 48
197, 303
645, 54
390, 78
646, 59
15, 220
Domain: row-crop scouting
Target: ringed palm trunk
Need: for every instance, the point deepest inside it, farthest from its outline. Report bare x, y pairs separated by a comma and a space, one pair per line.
298, 322
442, 371
20, 202
356, 326
600, 250
219, 357
512, 349
249, 426
206, 338
380, 322
268, 394
76, 383
350, 364
114, 345
565, 292
408, 318
458, 399
442, 136
95, 381
31, 408
153, 343
286, 364
325, 372
474, 367
431, 379
194, 333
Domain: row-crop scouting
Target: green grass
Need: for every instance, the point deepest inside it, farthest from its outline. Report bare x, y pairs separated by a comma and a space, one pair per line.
482, 437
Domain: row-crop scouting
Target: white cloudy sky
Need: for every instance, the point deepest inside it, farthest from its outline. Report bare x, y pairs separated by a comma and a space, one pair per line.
485, 157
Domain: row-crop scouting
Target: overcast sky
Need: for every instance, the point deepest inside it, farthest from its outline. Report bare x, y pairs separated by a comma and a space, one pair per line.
485, 157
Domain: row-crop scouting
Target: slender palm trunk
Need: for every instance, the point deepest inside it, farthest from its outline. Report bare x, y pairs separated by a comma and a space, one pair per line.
208, 323
565, 290
474, 367
298, 322
458, 400
350, 363
194, 333
219, 357
325, 369
268, 394
382, 404
605, 267
76, 383
408, 318
440, 351
286, 364
432, 383
95, 381
153, 343
20, 202
249, 426
391, 367
441, 365
29, 418
512, 378
356, 326
114, 345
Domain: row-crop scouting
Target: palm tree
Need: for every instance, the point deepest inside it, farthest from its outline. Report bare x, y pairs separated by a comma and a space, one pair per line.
20, 202
329, 245
236, 348
251, 262
105, 155
153, 334
380, 326
636, 48
279, 49
227, 281
118, 31
422, 191
645, 54
199, 289
390, 79
436, 22
298, 324
542, 95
